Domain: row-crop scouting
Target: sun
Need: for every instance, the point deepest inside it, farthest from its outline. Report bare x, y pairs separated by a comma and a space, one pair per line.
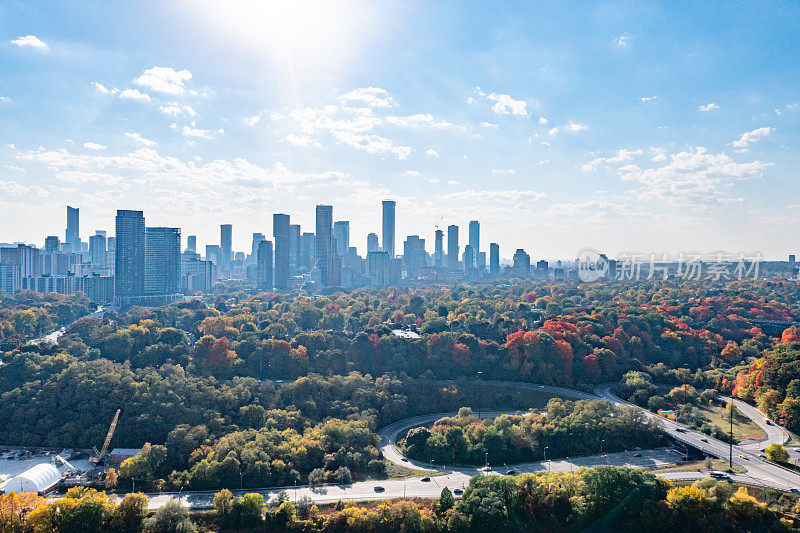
300, 34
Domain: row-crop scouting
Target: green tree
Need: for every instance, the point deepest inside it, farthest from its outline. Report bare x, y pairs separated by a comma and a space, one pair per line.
172, 517
776, 452
130, 513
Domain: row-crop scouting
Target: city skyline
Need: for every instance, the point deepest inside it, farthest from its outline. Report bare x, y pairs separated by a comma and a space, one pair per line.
568, 126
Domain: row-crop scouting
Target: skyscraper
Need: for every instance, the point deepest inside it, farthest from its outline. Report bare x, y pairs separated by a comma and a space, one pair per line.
324, 241
191, 243
129, 256
522, 264
73, 237
51, 244
97, 249
280, 234
438, 250
264, 265
294, 246
225, 246
468, 261
475, 237
257, 238
414, 256
307, 250
388, 227
162, 261
494, 259
372, 243
452, 247
341, 232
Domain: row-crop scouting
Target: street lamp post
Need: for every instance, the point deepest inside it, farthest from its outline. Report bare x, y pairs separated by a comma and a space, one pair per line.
545, 457
486, 469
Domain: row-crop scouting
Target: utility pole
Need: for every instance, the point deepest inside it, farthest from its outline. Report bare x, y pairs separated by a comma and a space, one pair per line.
730, 441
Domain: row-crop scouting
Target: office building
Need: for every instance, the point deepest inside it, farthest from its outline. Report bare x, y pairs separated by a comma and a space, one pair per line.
264, 265
280, 234
191, 243
378, 268
414, 256
388, 227
196, 274
10, 278
51, 244
162, 261
324, 243
73, 238
468, 262
213, 254
307, 251
494, 259
341, 233
97, 249
452, 247
542, 269
129, 255
225, 246
372, 243
480, 262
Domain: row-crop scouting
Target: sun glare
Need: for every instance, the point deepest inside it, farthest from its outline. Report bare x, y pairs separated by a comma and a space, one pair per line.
303, 34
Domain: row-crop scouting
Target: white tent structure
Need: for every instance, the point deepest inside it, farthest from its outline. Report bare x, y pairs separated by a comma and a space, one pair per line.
40, 479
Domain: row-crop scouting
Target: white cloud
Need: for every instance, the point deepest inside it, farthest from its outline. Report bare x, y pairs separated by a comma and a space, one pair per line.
433, 180
192, 131
103, 89
134, 94
5, 100
622, 155
623, 40
433, 153
494, 197
32, 41
749, 137
373, 144
18, 169
412, 173
371, 96
488, 125
93, 146
174, 109
302, 140
250, 122
78, 176
543, 162
504, 171
505, 105
692, 177
452, 182
570, 126
164, 80
709, 107
646, 99
138, 138
421, 120
543, 121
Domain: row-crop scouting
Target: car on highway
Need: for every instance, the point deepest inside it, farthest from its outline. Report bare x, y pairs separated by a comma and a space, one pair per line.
716, 474
637, 454
511, 472
458, 492
680, 430
743, 456
425, 479
404, 459
767, 421
704, 440
794, 490
378, 488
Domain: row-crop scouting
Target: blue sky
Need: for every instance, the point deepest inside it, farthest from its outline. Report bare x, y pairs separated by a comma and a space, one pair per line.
623, 126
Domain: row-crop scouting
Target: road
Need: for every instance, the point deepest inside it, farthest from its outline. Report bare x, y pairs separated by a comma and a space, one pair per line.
758, 472
53, 337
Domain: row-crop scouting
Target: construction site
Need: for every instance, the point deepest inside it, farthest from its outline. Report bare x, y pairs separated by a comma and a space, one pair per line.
48, 470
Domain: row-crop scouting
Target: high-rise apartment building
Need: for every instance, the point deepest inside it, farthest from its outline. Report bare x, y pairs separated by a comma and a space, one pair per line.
225, 246
452, 247
73, 237
97, 249
438, 249
294, 246
414, 256
307, 251
51, 244
191, 243
129, 256
388, 227
494, 259
257, 238
162, 261
264, 265
475, 237
324, 242
280, 234
372, 243
341, 233
522, 264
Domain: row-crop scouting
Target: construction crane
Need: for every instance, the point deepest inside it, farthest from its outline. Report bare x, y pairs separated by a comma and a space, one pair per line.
71, 469
98, 457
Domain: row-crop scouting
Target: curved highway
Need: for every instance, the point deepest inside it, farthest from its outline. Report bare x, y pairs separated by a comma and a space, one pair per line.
759, 472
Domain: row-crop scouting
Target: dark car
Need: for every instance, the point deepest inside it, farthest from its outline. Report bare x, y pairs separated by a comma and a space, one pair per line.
459, 492
511, 473
637, 454
425, 479
680, 430
704, 440
378, 488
